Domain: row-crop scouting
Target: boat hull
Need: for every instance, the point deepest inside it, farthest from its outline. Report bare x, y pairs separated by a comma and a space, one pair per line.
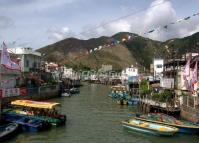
147, 131
182, 129
27, 123
149, 128
10, 131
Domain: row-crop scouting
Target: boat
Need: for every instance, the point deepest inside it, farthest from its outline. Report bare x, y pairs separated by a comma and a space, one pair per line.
150, 128
7, 131
183, 126
133, 100
118, 91
74, 91
66, 93
27, 123
44, 111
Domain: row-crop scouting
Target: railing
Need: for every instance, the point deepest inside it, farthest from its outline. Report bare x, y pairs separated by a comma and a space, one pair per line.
192, 102
169, 105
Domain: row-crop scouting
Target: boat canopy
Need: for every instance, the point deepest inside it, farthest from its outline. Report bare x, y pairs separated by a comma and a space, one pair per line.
123, 88
35, 104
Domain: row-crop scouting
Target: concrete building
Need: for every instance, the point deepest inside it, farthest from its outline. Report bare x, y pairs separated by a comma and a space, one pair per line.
128, 73
158, 68
30, 59
106, 68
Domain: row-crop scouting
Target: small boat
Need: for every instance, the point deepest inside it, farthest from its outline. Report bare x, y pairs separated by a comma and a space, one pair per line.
65, 94
43, 111
7, 131
150, 128
183, 126
27, 123
133, 100
74, 91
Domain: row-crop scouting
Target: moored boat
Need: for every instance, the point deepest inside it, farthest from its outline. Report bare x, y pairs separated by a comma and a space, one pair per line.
183, 126
45, 111
150, 128
7, 131
74, 91
27, 123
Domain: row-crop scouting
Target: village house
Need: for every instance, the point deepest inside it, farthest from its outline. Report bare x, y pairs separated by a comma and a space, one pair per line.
30, 60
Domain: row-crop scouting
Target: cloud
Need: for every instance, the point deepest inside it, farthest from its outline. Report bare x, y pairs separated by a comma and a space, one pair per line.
159, 14
60, 33
5, 22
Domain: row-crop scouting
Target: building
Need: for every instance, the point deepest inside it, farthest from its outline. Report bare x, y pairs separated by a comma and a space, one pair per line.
30, 60
106, 68
128, 74
158, 68
173, 72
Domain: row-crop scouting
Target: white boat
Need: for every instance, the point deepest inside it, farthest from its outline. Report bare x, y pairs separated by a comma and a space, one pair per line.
65, 94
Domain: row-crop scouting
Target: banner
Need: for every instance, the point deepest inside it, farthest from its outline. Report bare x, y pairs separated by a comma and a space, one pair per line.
6, 61
13, 92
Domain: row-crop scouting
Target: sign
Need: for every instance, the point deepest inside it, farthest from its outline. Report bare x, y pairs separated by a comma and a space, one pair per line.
13, 92
167, 83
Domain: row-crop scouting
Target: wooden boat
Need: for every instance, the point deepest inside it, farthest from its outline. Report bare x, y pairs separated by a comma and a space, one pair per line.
7, 131
27, 123
184, 127
150, 128
45, 111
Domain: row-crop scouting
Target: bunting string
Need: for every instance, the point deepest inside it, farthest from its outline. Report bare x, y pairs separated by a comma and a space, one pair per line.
131, 36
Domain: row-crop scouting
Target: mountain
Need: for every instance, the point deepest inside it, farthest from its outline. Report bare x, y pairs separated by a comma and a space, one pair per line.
136, 51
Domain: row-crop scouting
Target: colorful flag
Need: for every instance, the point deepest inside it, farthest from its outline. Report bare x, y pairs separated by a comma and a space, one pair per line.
6, 61
180, 20
151, 31
187, 18
166, 26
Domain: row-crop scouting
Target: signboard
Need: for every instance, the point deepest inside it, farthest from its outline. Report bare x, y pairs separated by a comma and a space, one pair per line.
167, 83
13, 92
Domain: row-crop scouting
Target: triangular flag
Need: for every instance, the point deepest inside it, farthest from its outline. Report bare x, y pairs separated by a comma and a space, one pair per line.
187, 18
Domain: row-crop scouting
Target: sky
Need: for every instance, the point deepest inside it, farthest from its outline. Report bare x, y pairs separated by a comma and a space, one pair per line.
37, 23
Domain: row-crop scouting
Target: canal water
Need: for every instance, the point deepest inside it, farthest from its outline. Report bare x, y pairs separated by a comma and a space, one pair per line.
93, 117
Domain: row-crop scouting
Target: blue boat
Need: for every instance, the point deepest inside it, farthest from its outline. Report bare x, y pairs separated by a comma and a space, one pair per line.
27, 123
149, 128
183, 126
7, 131
133, 100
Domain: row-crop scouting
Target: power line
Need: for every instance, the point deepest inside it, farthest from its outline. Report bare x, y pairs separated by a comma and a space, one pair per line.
120, 18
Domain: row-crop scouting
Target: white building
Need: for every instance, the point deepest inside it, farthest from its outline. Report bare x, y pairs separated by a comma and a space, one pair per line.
30, 60
158, 67
129, 72
69, 73
106, 68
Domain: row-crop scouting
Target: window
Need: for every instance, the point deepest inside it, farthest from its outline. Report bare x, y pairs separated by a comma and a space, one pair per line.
159, 66
27, 63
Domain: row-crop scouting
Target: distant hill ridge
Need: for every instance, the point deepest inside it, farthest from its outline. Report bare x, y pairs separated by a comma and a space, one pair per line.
138, 50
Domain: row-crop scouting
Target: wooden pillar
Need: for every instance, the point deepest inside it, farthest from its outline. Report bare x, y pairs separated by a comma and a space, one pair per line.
0, 109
